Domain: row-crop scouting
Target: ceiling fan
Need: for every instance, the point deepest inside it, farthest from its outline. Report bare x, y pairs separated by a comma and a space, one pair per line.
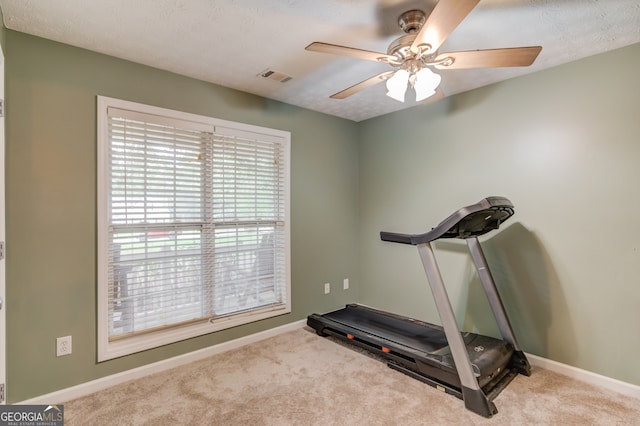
413, 55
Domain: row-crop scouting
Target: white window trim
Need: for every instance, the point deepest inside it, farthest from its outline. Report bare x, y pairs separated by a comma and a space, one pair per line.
109, 350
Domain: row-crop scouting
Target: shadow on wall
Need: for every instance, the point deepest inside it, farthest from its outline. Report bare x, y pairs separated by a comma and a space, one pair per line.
529, 287
531, 290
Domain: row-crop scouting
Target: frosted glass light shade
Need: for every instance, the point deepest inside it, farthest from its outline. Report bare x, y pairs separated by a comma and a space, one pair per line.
397, 85
426, 84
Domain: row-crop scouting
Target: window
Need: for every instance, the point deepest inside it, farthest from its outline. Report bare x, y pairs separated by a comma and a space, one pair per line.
193, 225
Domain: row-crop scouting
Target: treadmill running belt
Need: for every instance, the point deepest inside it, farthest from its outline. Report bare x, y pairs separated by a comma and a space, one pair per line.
404, 331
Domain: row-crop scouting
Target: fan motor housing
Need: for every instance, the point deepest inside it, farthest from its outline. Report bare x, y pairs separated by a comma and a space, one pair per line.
412, 20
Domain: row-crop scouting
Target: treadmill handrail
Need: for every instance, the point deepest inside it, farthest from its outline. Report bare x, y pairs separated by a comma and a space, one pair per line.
498, 208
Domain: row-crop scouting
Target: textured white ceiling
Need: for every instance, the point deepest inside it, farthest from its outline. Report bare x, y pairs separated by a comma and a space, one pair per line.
229, 42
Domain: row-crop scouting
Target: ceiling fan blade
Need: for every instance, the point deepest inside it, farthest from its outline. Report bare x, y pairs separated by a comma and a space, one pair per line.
351, 52
362, 85
509, 57
445, 17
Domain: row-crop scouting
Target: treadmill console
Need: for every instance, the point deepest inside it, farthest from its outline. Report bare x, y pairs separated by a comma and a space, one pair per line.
471, 221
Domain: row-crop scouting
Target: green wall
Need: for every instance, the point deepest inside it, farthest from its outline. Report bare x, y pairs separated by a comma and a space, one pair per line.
562, 144
51, 204
2, 29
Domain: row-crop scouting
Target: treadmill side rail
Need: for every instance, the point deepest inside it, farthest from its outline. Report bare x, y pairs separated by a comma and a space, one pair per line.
495, 302
451, 330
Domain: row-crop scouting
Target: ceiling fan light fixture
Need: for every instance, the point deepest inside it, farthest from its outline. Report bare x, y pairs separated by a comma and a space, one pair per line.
425, 84
397, 85
412, 55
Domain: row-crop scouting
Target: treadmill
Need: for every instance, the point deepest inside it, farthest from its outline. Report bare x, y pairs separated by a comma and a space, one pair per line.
472, 367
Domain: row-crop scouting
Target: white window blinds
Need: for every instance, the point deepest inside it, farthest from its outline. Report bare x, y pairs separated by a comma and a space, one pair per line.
196, 224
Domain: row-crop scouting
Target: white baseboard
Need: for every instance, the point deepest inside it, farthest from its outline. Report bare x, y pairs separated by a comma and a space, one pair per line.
585, 376
63, 395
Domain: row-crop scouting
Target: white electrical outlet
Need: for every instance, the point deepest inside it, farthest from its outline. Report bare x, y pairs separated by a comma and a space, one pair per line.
63, 346
345, 283
327, 288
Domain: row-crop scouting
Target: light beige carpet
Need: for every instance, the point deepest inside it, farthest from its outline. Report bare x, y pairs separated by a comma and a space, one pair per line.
299, 378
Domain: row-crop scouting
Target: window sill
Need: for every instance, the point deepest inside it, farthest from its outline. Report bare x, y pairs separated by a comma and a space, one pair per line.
130, 345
